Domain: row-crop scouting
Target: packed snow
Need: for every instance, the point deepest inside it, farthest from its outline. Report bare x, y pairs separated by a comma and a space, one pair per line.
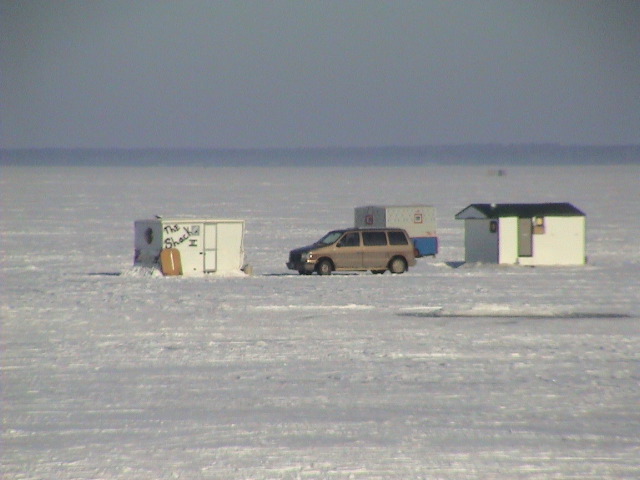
449, 371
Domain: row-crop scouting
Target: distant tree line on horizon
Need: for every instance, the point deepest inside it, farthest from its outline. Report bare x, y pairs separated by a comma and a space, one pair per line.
533, 153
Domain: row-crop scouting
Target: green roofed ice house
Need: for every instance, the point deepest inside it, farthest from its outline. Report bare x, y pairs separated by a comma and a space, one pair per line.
524, 233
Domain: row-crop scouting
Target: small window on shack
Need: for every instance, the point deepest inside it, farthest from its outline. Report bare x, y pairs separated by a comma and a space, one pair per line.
148, 235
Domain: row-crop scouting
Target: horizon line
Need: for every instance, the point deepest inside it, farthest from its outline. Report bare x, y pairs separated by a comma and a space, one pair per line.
336, 147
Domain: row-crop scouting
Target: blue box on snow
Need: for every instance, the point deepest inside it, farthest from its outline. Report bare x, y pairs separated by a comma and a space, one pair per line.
426, 245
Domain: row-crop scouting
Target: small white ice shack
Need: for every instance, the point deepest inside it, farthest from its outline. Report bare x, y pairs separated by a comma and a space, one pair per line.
206, 246
524, 233
418, 220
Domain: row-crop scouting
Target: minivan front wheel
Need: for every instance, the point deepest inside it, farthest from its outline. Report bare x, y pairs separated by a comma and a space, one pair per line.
324, 267
398, 265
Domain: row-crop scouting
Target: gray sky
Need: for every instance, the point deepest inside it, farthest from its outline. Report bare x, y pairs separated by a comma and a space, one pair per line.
226, 74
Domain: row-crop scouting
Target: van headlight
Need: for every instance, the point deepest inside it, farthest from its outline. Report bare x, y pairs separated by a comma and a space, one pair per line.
306, 256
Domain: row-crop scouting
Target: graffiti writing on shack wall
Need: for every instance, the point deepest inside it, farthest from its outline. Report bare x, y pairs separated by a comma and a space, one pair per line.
176, 235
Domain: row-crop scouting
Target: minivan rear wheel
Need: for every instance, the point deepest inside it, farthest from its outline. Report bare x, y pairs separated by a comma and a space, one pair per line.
324, 267
398, 265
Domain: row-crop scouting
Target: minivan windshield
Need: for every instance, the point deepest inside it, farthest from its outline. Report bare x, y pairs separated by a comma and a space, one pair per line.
331, 237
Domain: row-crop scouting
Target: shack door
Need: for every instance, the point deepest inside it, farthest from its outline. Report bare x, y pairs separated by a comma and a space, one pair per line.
525, 229
210, 247
229, 250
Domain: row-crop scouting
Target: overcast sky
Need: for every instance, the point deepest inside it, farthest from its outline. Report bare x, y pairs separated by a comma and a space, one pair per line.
227, 74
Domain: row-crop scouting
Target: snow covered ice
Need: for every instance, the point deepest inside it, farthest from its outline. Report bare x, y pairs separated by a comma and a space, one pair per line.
449, 371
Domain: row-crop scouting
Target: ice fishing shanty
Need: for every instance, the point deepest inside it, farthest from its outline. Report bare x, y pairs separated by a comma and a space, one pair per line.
190, 247
419, 221
524, 233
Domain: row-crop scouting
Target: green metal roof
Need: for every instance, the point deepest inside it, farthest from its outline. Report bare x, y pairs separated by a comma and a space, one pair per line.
522, 210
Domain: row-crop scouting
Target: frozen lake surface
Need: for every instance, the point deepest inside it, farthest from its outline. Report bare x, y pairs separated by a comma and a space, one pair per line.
449, 371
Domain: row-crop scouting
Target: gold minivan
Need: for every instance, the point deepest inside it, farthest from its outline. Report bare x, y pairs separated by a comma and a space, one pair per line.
349, 249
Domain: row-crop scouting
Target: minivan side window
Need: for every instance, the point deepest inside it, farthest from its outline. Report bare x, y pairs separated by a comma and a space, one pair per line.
397, 238
351, 239
374, 239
